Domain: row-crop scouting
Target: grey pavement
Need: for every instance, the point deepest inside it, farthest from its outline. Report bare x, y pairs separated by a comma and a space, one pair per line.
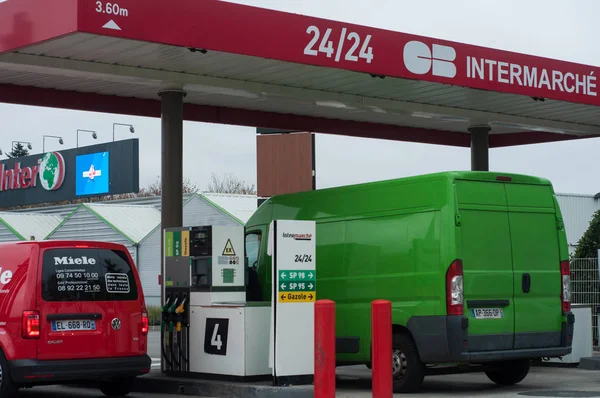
355, 383
154, 347
543, 381
68, 392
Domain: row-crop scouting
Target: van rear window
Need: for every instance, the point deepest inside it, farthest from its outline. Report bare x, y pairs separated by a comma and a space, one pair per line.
87, 275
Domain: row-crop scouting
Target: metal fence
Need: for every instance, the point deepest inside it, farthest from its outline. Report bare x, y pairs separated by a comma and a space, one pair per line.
585, 289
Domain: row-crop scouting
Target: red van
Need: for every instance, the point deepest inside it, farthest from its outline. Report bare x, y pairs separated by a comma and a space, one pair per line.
71, 312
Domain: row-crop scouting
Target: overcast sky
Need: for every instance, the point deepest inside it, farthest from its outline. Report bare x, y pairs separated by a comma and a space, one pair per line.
557, 29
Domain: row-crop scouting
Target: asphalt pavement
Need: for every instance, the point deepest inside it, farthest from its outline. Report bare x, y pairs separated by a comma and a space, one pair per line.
154, 348
541, 382
355, 382
68, 392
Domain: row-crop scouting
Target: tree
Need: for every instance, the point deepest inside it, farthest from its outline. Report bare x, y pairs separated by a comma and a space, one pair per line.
588, 245
155, 188
230, 184
18, 151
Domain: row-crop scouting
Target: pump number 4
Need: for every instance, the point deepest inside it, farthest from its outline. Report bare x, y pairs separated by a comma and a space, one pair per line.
215, 336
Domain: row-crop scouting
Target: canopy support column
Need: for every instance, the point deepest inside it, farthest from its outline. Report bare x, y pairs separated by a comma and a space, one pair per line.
171, 103
480, 148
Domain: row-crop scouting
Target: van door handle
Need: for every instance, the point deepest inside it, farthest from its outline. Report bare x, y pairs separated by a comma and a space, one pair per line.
526, 283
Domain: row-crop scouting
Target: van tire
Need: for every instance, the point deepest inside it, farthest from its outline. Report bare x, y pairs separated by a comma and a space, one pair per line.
8, 389
117, 388
408, 370
508, 373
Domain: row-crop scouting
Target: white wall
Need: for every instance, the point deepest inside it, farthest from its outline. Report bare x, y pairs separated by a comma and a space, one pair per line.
84, 225
6, 235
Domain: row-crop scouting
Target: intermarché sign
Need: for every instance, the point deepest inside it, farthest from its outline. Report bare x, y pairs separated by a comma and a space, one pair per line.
49, 170
53, 177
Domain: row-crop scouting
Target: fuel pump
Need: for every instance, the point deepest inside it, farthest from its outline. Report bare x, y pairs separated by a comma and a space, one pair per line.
205, 273
175, 320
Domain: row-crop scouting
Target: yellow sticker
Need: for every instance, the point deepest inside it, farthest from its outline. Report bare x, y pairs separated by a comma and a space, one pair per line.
297, 297
185, 243
228, 250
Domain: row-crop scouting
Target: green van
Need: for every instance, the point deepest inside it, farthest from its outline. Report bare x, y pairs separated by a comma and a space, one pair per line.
474, 263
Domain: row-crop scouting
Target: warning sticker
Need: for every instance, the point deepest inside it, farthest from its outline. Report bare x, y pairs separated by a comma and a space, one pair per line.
228, 250
117, 283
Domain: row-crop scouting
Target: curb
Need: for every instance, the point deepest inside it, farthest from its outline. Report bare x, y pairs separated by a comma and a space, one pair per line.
208, 388
589, 363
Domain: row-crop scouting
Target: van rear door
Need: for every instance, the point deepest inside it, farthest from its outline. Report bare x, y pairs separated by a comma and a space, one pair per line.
487, 264
536, 263
125, 336
79, 291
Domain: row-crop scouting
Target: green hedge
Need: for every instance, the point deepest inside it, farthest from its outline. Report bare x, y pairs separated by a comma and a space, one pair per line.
154, 315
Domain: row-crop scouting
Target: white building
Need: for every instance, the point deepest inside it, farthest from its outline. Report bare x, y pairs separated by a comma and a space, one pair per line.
577, 211
122, 224
26, 226
135, 223
199, 209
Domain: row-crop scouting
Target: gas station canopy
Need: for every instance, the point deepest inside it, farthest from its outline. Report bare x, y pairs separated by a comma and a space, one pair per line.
251, 66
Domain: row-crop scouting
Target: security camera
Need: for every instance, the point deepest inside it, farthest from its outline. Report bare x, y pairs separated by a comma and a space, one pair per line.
60, 141
94, 135
131, 129
0, 152
29, 146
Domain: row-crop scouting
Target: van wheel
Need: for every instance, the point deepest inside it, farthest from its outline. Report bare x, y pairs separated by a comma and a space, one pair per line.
508, 373
408, 370
7, 387
117, 388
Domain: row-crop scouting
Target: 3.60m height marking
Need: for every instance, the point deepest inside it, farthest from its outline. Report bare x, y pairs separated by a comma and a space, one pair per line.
111, 9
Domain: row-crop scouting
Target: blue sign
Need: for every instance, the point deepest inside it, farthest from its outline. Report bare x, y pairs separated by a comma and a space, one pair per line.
92, 176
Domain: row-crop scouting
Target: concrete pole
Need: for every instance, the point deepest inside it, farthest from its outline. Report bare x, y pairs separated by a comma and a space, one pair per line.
480, 148
172, 158
171, 169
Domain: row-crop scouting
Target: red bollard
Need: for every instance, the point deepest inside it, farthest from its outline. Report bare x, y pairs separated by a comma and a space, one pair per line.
324, 349
381, 329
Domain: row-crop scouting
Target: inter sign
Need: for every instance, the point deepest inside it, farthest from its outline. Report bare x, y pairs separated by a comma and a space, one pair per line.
104, 169
50, 170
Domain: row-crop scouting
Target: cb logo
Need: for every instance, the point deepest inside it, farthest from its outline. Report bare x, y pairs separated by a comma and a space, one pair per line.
420, 59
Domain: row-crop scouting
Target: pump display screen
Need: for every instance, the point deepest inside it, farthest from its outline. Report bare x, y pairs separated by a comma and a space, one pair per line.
200, 242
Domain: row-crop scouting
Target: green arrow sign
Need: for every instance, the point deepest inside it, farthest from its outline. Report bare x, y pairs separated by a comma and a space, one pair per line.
298, 276
309, 286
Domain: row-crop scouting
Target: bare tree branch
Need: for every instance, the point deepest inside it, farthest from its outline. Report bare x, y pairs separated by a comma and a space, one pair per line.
230, 184
153, 189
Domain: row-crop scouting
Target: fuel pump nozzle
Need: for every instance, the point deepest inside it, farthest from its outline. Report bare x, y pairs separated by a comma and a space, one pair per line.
171, 312
164, 313
179, 311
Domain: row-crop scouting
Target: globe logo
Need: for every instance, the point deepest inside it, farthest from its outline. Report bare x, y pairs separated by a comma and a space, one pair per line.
52, 171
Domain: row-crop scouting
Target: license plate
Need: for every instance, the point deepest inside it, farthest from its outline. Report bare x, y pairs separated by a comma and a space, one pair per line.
487, 313
69, 326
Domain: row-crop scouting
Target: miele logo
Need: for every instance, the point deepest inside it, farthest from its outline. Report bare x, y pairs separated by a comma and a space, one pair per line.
5, 277
74, 261
439, 60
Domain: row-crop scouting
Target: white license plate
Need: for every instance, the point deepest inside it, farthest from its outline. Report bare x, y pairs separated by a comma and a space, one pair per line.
487, 313
69, 326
